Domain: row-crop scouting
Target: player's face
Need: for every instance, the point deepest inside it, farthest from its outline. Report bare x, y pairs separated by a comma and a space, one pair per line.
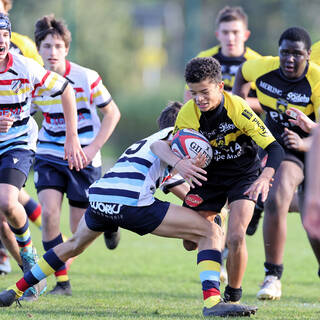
53, 52
232, 36
4, 44
206, 94
293, 58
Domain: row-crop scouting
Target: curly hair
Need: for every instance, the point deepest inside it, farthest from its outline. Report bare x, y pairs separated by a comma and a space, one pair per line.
169, 114
199, 69
296, 34
49, 25
228, 14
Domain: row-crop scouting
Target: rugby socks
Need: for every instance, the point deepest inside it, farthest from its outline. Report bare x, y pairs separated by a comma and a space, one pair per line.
209, 264
273, 269
23, 236
47, 265
61, 274
33, 210
232, 295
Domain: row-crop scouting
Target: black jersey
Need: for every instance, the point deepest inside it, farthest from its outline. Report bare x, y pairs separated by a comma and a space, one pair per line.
277, 93
234, 131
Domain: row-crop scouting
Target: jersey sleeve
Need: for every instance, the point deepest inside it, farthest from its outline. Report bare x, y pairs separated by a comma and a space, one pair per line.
46, 83
315, 53
249, 123
99, 94
188, 117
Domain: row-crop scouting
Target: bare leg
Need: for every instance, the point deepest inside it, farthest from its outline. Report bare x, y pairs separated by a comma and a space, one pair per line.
240, 215
9, 240
50, 201
288, 177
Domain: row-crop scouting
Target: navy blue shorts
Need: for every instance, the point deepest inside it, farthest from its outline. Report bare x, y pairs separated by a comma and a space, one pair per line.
51, 175
15, 166
212, 196
101, 217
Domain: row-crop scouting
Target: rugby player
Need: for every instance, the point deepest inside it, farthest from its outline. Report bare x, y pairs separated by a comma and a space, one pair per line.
52, 176
23, 45
234, 131
289, 80
20, 79
124, 198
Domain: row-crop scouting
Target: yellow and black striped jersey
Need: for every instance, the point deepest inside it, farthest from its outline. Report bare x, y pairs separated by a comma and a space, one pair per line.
230, 65
25, 46
315, 53
234, 131
277, 93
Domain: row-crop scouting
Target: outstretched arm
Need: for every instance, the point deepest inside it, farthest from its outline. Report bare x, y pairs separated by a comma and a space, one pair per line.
298, 118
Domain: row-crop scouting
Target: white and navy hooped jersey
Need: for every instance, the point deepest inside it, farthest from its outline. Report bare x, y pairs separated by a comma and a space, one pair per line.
22, 79
90, 94
134, 178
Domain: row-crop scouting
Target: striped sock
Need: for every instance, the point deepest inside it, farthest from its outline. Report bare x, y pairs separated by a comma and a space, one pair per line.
61, 274
33, 210
47, 265
23, 236
209, 263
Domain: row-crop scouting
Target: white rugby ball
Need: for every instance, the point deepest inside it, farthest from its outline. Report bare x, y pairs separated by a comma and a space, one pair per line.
189, 142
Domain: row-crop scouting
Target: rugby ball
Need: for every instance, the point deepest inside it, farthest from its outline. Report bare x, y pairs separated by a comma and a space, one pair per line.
189, 142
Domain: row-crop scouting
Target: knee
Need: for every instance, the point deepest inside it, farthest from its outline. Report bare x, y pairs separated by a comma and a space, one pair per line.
235, 240
7, 206
214, 231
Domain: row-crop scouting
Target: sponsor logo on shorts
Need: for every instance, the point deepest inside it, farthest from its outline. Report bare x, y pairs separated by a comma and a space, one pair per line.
106, 208
193, 200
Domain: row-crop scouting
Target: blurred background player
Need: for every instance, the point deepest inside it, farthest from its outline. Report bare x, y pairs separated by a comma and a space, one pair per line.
23, 45
52, 176
233, 130
22, 78
283, 82
232, 33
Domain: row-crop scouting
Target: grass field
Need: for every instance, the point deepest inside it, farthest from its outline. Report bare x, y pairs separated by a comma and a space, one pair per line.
154, 278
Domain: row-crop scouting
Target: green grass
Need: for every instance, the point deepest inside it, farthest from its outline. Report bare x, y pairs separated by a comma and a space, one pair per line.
154, 278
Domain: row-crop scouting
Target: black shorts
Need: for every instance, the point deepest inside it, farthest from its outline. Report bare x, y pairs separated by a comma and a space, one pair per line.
102, 216
214, 193
51, 175
15, 166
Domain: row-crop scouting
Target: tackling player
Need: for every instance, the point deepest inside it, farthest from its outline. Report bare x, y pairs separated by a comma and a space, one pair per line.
52, 176
289, 80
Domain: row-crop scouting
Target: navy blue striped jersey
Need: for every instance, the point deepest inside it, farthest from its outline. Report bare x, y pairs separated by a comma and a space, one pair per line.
134, 178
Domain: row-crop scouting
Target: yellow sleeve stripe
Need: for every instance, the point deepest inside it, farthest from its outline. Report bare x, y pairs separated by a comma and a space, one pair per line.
97, 94
50, 85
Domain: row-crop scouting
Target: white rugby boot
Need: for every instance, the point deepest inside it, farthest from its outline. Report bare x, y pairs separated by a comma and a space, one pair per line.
270, 289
